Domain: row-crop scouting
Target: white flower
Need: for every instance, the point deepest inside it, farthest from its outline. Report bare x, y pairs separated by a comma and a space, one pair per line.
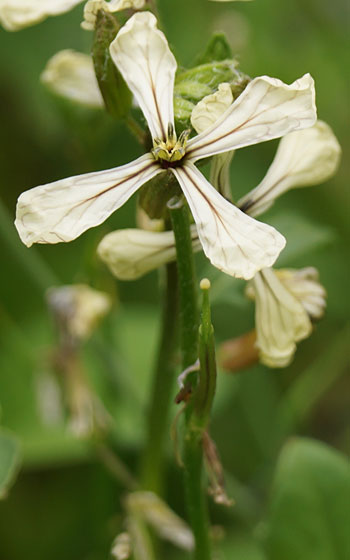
17, 14
285, 303
233, 241
304, 158
78, 308
122, 546
93, 6
71, 74
166, 523
304, 285
131, 253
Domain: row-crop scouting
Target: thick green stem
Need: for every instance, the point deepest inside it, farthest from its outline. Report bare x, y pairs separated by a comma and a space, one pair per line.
189, 321
153, 461
189, 314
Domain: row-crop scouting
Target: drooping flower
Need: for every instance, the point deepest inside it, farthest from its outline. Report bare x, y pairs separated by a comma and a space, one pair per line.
286, 302
233, 241
71, 74
304, 158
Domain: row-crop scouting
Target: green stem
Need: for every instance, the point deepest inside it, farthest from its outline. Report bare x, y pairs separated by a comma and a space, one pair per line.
189, 314
153, 461
189, 322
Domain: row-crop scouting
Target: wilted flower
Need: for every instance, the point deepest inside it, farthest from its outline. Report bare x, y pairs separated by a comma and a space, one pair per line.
165, 522
71, 74
285, 303
234, 242
77, 309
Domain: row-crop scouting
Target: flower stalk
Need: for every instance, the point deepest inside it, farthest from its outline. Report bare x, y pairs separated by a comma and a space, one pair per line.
157, 425
189, 320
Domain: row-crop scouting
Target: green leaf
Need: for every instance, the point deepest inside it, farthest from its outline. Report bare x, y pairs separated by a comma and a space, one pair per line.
218, 48
9, 460
309, 512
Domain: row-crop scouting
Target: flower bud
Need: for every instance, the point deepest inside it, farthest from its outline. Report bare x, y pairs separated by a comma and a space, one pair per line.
92, 7
71, 74
194, 84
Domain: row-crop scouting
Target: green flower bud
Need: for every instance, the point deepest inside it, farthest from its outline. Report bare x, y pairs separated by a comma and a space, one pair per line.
115, 93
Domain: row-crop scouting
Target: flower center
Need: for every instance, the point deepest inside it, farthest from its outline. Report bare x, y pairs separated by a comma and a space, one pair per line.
172, 150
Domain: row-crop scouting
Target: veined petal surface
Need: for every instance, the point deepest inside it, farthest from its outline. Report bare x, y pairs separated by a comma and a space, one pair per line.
220, 173
131, 253
211, 107
18, 14
233, 242
303, 158
142, 55
63, 210
266, 109
71, 74
281, 320
304, 284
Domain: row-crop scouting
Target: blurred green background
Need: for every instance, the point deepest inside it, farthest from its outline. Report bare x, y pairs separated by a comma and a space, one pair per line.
64, 504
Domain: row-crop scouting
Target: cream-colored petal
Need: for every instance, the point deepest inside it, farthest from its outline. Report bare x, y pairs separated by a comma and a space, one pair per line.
78, 308
281, 320
220, 176
304, 158
211, 107
63, 210
305, 286
203, 116
167, 524
122, 546
266, 109
131, 253
142, 55
71, 74
93, 6
233, 243
17, 14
